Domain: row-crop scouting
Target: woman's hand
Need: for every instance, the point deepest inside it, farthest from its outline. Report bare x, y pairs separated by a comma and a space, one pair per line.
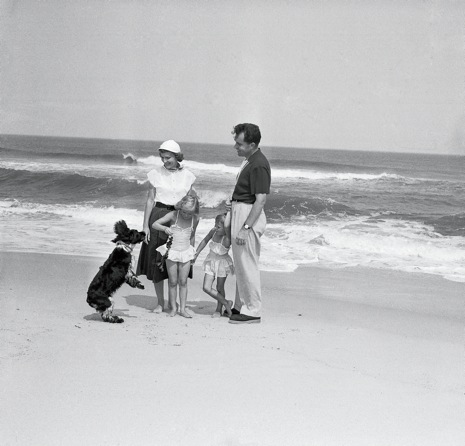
168, 231
147, 234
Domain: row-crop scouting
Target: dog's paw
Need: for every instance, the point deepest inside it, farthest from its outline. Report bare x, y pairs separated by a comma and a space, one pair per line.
134, 282
112, 319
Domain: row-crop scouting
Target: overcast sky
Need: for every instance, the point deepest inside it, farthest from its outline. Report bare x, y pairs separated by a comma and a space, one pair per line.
361, 74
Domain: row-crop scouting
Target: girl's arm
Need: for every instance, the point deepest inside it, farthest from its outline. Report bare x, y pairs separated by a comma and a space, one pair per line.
147, 212
192, 192
203, 243
226, 241
227, 225
194, 228
159, 225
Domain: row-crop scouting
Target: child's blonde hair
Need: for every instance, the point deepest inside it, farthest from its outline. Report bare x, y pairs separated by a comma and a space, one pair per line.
189, 203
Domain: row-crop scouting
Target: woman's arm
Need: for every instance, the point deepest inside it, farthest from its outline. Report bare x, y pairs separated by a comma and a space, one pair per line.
159, 224
147, 212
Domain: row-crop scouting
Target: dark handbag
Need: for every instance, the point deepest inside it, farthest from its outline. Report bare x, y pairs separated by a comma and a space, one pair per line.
161, 265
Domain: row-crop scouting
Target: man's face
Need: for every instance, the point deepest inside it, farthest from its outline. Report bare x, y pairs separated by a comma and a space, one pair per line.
243, 148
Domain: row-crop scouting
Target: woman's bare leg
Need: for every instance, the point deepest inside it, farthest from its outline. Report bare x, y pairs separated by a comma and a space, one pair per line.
160, 295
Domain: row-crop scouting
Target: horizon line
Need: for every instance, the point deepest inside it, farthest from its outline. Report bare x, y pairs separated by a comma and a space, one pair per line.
407, 151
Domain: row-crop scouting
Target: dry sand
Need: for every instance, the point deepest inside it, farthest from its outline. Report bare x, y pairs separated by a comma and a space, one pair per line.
342, 357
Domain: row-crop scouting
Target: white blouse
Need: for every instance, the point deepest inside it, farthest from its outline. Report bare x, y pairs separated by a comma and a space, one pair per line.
170, 186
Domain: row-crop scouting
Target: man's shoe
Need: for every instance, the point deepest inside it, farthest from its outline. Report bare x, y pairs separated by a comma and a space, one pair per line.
243, 319
234, 311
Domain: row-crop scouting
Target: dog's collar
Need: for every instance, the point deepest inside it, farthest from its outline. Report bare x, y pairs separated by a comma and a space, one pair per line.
125, 246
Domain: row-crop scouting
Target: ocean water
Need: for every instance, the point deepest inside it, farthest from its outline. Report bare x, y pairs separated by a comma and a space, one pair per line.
336, 208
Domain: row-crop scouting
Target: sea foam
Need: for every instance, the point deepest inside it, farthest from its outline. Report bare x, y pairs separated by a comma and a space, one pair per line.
347, 241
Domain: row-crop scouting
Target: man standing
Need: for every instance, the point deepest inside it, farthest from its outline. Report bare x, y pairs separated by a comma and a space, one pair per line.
248, 222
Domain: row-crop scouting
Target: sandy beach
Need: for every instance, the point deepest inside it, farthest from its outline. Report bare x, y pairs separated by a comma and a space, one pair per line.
342, 357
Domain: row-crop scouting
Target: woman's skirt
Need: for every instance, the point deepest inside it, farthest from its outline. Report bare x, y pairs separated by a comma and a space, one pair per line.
148, 256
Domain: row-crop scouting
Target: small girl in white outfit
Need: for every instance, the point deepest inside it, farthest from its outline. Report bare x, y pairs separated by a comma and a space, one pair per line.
217, 265
179, 251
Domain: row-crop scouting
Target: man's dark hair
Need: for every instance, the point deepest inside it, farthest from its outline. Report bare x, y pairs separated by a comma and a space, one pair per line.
251, 133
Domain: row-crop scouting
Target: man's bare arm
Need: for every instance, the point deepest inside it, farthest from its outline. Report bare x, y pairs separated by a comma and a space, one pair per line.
257, 207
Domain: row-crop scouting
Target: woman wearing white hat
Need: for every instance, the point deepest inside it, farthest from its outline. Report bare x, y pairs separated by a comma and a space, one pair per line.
168, 184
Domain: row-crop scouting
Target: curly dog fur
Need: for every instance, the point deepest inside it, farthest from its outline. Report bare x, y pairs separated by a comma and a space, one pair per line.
114, 272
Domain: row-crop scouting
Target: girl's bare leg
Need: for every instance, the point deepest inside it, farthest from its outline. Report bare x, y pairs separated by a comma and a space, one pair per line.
217, 294
220, 281
208, 287
183, 273
172, 286
219, 307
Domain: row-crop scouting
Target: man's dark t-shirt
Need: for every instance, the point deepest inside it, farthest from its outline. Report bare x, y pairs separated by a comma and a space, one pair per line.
255, 178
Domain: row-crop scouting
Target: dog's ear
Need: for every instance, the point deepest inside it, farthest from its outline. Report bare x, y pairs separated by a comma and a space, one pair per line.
121, 228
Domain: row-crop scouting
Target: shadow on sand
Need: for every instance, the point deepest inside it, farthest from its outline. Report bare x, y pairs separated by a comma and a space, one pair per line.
96, 316
141, 301
203, 306
149, 303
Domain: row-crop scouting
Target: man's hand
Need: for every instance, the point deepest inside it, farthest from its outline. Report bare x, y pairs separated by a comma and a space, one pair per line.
227, 204
241, 237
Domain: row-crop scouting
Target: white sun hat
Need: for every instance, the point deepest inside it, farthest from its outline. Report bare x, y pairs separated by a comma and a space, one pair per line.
171, 146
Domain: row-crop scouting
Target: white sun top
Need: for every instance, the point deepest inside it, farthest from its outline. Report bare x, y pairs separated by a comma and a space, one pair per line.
170, 186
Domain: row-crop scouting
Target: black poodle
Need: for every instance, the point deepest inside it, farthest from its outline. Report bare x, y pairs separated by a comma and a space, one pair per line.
114, 272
